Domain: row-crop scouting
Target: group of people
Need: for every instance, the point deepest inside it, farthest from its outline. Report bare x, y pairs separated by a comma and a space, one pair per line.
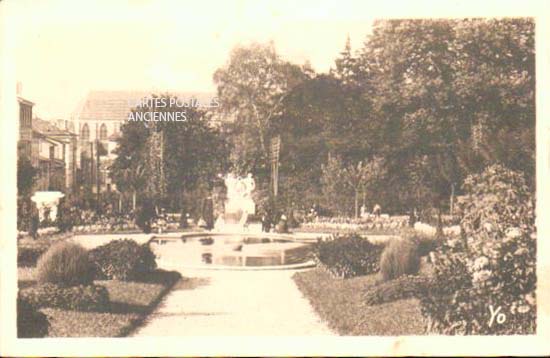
376, 211
279, 225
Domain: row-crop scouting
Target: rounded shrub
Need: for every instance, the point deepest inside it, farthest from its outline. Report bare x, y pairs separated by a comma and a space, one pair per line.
65, 264
347, 256
400, 257
28, 256
122, 260
31, 323
81, 298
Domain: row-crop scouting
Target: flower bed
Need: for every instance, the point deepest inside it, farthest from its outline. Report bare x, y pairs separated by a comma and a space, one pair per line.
344, 224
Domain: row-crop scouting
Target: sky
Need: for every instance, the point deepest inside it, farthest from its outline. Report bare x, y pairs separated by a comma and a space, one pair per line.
65, 49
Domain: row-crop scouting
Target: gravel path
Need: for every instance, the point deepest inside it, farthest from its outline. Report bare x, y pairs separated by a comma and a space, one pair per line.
248, 303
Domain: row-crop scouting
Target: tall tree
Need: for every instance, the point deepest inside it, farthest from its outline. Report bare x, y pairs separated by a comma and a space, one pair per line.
346, 66
251, 87
318, 117
443, 87
185, 161
360, 175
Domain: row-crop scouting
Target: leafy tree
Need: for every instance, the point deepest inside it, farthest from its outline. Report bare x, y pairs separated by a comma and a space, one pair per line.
495, 84
346, 66
26, 175
319, 117
448, 98
337, 193
250, 89
359, 176
169, 160
128, 169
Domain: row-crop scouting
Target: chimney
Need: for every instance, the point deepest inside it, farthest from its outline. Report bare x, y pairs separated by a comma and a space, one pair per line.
19, 89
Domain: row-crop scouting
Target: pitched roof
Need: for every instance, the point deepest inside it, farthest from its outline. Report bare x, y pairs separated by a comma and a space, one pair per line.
116, 105
48, 128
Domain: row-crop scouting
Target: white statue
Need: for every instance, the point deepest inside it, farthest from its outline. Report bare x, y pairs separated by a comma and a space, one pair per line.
239, 201
47, 200
249, 184
230, 181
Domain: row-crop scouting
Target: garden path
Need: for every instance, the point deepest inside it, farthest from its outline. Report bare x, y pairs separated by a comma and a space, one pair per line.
251, 303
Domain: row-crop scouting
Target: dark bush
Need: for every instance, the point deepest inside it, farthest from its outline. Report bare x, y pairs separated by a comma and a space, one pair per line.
398, 289
31, 323
66, 217
65, 264
123, 260
28, 256
425, 243
145, 215
348, 256
400, 257
80, 298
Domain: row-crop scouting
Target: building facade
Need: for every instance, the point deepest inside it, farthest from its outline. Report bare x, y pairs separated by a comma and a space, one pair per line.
25, 138
51, 150
56, 156
98, 120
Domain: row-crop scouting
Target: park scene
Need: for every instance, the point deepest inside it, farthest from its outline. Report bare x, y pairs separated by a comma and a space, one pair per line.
391, 195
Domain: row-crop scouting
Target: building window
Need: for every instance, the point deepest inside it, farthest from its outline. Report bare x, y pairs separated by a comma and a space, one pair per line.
103, 132
85, 133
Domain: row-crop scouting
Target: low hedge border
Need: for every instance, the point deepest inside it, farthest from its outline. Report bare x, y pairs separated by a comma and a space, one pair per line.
400, 288
79, 298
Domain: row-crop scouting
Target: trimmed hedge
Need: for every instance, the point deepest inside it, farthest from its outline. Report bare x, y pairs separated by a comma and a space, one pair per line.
78, 298
28, 256
65, 264
31, 323
123, 259
398, 289
400, 257
348, 256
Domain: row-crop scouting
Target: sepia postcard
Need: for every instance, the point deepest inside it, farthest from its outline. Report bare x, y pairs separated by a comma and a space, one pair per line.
274, 178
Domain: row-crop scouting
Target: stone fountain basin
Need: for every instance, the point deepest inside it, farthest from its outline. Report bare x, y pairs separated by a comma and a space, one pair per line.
230, 251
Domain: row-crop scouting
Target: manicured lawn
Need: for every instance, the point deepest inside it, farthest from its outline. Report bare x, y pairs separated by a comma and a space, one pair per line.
339, 302
130, 304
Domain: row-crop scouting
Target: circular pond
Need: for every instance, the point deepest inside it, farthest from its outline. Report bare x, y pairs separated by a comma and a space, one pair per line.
231, 251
